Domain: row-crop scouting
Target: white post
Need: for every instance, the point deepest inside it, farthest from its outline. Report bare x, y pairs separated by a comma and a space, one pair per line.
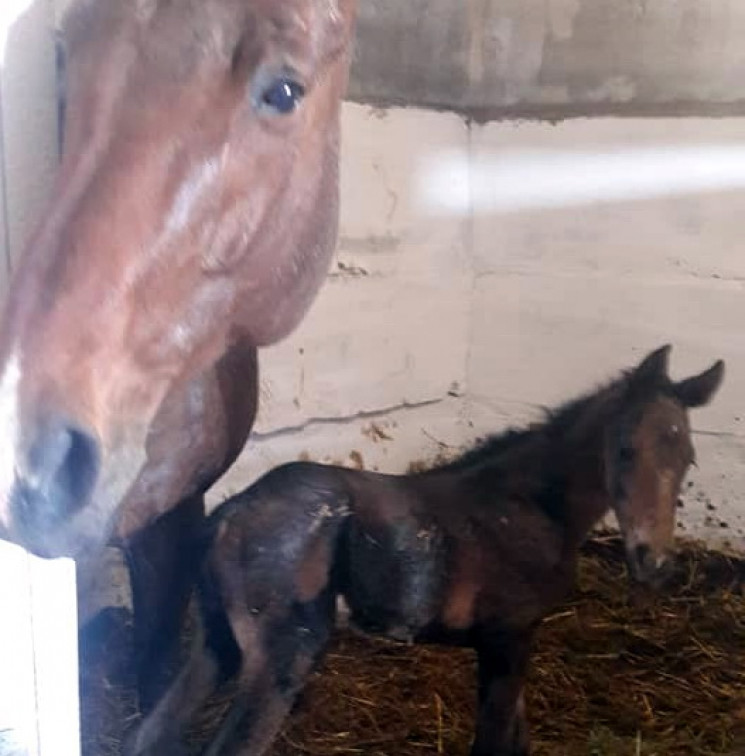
39, 704
55, 636
39, 700
18, 732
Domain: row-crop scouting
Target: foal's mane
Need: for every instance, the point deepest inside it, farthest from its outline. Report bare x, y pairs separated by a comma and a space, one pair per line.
557, 425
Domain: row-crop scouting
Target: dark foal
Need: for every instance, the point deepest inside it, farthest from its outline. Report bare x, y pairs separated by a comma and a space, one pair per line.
472, 553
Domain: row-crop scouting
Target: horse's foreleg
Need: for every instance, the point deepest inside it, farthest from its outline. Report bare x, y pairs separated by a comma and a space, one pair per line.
501, 726
161, 731
162, 563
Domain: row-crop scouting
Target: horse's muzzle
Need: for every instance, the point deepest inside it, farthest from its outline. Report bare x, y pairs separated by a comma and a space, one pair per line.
52, 483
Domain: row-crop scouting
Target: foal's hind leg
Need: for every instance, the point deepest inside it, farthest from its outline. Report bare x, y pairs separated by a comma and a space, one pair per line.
501, 726
162, 564
274, 672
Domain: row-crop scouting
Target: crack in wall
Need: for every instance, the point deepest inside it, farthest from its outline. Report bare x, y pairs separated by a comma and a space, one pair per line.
345, 420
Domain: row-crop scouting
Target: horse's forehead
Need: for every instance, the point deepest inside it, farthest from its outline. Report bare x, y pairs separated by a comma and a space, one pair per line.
144, 10
178, 32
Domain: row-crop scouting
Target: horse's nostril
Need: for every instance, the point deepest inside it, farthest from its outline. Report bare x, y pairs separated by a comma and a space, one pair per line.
77, 470
59, 474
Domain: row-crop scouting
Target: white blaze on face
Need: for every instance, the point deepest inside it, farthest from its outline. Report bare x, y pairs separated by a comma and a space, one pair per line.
666, 480
9, 430
195, 188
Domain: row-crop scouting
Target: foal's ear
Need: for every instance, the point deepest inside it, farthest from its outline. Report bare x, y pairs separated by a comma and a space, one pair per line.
652, 370
698, 390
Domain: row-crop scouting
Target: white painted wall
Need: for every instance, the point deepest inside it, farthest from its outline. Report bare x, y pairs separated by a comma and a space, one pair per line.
443, 324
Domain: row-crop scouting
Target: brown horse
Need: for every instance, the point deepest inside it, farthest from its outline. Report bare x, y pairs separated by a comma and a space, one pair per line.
192, 221
472, 553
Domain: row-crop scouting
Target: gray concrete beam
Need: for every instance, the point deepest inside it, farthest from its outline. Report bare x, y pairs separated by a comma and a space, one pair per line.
553, 58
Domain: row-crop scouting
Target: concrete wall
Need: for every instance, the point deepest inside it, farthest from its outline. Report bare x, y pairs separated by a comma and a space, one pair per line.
552, 58
443, 319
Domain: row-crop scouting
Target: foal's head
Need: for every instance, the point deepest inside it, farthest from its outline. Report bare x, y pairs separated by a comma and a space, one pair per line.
648, 451
196, 203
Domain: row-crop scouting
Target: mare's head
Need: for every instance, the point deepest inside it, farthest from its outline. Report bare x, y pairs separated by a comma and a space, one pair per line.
648, 451
196, 204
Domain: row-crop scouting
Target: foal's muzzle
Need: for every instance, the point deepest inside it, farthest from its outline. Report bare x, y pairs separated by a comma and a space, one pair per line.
647, 566
53, 481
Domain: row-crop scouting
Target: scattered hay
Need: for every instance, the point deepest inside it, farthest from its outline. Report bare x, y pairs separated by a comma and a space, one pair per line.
615, 673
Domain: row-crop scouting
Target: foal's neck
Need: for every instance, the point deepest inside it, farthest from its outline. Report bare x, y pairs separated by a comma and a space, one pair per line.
586, 495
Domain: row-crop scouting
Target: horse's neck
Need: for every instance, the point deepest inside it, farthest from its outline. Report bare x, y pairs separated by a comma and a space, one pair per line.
586, 499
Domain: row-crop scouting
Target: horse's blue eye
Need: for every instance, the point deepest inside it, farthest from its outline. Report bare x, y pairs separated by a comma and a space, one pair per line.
282, 96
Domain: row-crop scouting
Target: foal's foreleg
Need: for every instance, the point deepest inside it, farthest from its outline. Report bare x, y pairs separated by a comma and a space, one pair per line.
501, 726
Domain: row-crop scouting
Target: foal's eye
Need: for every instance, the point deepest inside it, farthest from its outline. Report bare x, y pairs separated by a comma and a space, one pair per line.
280, 96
